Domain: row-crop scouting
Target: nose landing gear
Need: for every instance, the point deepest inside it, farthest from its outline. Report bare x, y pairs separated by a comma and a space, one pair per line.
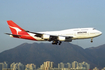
91, 40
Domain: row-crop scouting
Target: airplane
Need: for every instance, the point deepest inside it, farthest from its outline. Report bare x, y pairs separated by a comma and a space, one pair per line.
55, 36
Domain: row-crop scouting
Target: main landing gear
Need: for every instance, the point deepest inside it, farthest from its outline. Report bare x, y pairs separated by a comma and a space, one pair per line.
91, 40
56, 42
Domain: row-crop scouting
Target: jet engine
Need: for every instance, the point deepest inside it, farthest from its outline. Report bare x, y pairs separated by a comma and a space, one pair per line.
45, 36
55, 38
61, 38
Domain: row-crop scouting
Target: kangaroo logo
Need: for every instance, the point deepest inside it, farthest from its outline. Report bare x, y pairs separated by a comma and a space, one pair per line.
17, 29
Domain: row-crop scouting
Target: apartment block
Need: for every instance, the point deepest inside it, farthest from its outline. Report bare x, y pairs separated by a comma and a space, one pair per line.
17, 66
95, 68
30, 67
46, 65
103, 68
3, 66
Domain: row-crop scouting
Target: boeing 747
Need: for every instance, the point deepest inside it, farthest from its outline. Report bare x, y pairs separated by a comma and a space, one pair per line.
55, 36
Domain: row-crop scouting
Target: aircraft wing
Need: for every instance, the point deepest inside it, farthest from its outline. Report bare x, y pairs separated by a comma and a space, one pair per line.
36, 34
51, 37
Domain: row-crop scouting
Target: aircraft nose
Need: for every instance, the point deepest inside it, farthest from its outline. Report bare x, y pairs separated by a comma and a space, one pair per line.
99, 32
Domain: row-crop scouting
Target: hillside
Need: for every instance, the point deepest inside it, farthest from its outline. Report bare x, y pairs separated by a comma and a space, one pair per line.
37, 53
98, 54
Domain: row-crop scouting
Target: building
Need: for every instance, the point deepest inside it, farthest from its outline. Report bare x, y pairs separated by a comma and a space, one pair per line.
75, 65
3, 66
17, 66
6, 69
103, 68
95, 68
30, 67
84, 65
61, 65
47, 65
69, 65
64, 65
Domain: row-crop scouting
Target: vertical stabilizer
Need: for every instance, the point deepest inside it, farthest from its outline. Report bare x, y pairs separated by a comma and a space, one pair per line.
15, 29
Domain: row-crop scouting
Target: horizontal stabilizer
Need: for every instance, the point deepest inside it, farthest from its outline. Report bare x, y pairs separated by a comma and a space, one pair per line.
13, 35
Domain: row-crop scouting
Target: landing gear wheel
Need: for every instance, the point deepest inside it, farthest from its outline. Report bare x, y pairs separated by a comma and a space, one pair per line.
60, 42
91, 40
55, 42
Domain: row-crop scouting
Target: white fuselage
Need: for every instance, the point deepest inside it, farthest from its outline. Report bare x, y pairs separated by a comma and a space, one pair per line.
77, 33
55, 36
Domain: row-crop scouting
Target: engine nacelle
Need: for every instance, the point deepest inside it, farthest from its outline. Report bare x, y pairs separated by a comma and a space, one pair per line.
61, 38
46, 36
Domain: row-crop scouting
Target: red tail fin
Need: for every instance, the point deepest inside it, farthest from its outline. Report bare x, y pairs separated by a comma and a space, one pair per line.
15, 29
